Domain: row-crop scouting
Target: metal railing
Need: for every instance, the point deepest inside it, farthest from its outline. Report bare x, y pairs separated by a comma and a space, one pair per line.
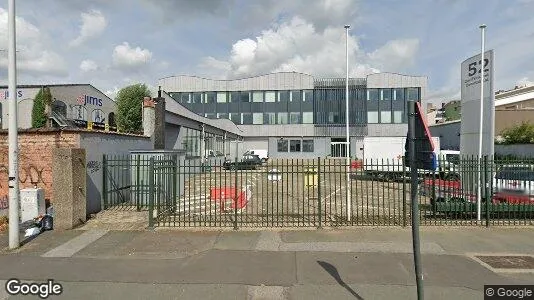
315, 192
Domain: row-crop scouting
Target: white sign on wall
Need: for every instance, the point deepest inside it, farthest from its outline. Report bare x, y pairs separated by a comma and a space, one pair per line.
470, 125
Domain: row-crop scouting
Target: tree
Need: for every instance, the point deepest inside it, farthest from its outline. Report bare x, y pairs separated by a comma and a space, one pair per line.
38, 110
519, 134
129, 107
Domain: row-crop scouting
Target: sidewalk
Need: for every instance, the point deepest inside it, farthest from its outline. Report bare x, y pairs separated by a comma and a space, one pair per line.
360, 263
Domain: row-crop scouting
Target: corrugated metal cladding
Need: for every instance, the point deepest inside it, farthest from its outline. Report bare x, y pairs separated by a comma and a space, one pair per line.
278, 130
392, 80
275, 81
339, 131
338, 82
329, 101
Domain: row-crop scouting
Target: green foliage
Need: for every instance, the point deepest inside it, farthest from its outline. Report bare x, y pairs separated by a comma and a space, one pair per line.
520, 134
129, 107
38, 110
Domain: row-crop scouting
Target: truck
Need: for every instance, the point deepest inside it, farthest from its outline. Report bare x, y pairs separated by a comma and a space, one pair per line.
383, 158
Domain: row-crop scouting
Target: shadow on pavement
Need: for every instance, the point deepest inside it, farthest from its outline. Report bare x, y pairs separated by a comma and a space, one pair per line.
334, 273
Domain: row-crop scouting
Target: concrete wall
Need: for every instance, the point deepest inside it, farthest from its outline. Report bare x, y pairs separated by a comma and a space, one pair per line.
448, 133
519, 150
97, 144
507, 118
172, 137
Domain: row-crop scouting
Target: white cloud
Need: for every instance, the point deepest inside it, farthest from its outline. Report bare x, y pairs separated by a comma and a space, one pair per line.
396, 54
525, 82
112, 93
297, 46
88, 66
126, 57
93, 24
33, 55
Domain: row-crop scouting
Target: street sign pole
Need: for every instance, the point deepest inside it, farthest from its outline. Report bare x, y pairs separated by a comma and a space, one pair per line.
414, 201
480, 125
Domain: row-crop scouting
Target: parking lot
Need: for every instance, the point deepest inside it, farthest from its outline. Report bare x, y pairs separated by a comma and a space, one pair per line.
285, 193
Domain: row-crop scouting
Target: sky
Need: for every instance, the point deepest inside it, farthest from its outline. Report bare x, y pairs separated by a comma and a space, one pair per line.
113, 43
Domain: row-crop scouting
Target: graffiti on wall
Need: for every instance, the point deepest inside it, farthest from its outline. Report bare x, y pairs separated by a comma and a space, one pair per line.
4, 202
94, 166
27, 174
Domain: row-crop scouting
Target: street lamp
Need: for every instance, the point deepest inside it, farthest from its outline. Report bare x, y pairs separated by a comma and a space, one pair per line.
347, 149
479, 188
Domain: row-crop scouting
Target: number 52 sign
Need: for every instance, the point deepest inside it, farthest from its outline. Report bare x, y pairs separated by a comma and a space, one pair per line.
471, 72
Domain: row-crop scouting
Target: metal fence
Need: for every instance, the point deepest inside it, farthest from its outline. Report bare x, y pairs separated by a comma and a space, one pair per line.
316, 192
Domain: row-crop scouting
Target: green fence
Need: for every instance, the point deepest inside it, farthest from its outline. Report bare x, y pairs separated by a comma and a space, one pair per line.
319, 192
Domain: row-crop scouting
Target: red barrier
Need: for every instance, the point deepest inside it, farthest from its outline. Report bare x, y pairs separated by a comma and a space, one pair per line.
228, 194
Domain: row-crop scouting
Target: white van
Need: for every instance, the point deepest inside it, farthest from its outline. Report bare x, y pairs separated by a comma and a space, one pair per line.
262, 154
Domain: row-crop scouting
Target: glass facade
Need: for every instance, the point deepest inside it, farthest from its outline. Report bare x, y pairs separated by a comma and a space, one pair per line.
322, 106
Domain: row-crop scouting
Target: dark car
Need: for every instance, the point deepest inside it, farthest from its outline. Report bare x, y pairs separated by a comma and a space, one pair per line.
249, 162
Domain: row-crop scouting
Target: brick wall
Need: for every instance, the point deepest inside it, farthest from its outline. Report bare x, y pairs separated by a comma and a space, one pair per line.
35, 158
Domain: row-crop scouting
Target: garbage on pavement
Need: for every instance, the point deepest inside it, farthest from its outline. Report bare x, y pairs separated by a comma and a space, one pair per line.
39, 225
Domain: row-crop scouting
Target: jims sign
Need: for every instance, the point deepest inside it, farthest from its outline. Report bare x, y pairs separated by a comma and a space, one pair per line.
4, 94
85, 99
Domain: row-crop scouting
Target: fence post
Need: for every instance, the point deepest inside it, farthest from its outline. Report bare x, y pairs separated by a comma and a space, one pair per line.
151, 193
104, 197
319, 192
137, 182
174, 184
489, 192
404, 192
235, 195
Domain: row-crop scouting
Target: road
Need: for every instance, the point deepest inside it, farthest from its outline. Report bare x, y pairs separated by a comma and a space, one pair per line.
360, 263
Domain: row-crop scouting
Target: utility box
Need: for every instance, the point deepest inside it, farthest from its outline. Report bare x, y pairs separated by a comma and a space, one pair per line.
32, 203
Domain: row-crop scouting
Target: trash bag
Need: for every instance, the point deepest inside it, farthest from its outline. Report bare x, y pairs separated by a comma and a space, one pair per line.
46, 223
32, 231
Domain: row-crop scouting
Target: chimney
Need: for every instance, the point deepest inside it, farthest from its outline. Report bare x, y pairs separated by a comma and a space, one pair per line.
159, 126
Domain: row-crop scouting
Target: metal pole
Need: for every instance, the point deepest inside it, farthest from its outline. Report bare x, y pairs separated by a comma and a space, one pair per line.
414, 202
13, 133
479, 188
347, 149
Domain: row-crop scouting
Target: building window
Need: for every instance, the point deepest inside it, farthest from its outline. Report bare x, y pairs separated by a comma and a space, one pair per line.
294, 145
197, 97
412, 94
397, 116
385, 116
244, 96
185, 98
270, 96
307, 146
282, 118
221, 97
372, 95
210, 116
283, 96
308, 96
270, 118
386, 94
333, 117
282, 146
234, 97
372, 117
236, 118
398, 94
294, 118
246, 119
210, 97
257, 96
257, 118
222, 116
307, 117
296, 96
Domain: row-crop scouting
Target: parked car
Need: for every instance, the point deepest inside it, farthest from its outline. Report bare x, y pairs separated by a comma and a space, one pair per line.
249, 162
263, 154
514, 184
